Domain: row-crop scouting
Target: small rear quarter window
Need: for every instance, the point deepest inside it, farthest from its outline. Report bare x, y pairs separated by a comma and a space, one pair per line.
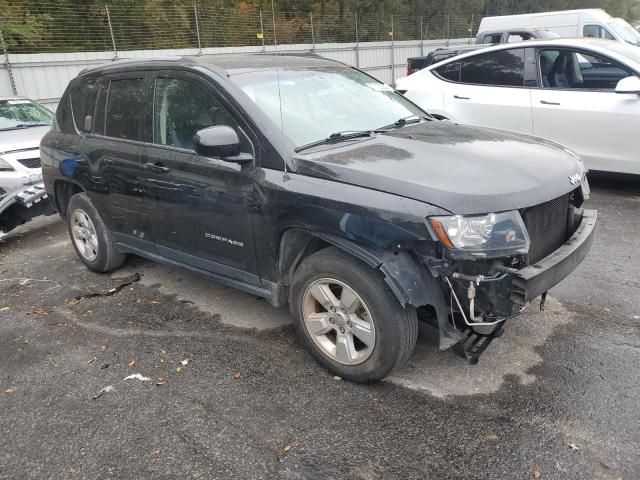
450, 71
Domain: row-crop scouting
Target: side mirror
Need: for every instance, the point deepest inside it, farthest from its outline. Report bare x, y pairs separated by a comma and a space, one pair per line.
218, 141
629, 85
88, 124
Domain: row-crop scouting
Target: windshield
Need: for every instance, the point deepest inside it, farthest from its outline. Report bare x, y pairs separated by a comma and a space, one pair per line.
632, 32
318, 102
623, 33
628, 51
21, 113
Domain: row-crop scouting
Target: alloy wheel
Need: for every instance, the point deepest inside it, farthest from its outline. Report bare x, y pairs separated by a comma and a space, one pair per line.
338, 321
84, 235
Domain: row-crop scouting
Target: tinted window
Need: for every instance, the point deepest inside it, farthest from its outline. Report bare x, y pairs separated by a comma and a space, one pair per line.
450, 71
83, 98
596, 31
503, 68
181, 108
125, 108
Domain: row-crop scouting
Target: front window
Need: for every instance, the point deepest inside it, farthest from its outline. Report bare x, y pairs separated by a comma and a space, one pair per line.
317, 102
569, 69
596, 31
22, 113
180, 109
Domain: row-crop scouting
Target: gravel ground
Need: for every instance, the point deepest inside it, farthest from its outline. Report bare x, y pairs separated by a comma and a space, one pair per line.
232, 394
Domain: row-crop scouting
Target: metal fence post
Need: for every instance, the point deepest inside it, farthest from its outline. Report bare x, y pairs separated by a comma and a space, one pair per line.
195, 14
357, 43
448, 29
8, 63
471, 30
313, 35
392, 49
113, 39
421, 37
262, 31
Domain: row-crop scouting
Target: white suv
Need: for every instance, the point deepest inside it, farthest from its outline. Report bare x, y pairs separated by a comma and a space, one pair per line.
23, 123
581, 93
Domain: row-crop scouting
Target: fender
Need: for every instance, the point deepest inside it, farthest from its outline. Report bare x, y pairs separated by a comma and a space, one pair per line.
408, 280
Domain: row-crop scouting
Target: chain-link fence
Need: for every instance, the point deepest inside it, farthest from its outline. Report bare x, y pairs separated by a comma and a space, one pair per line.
61, 27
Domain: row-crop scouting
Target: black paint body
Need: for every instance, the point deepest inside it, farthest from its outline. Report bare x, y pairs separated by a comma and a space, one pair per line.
249, 223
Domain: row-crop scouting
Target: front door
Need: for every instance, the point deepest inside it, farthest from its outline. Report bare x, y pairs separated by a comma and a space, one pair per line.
578, 108
201, 207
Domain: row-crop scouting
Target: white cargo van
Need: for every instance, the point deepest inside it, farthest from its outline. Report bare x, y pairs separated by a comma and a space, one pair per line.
592, 22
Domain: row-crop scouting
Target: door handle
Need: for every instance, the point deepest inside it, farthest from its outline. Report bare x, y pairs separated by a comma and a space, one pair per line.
156, 167
461, 98
544, 102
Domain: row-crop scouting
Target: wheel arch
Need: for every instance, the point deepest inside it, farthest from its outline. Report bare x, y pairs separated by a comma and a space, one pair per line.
409, 281
63, 190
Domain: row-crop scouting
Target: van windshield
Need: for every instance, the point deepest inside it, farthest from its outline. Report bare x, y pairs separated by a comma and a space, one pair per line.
628, 51
626, 35
317, 102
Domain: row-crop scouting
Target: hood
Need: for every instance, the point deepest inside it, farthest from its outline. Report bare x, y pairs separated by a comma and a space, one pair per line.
462, 169
21, 138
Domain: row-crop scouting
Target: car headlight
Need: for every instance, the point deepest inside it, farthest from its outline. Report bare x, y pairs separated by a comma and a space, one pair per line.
5, 166
481, 235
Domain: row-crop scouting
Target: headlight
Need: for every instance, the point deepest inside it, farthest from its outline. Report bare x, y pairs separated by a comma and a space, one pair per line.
4, 166
483, 234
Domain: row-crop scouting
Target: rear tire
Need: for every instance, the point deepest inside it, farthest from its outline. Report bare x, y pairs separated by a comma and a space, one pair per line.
90, 237
358, 330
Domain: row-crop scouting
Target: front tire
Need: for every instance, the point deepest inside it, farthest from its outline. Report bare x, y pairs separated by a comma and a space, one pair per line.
348, 317
90, 237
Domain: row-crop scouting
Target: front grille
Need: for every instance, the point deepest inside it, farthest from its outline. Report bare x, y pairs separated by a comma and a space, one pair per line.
30, 162
547, 227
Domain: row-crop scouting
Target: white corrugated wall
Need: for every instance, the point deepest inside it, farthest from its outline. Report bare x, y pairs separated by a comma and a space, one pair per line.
44, 76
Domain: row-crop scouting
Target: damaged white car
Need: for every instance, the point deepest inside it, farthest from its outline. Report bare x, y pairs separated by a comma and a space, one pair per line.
23, 123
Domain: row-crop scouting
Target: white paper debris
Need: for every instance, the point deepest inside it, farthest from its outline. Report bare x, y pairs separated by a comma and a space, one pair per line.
137, 376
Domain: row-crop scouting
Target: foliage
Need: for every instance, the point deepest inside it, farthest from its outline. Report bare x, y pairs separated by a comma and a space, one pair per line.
67, 25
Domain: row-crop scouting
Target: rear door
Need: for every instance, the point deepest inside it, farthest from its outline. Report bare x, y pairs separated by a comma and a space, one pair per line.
578, 108
109, 157
491, 90
201, 207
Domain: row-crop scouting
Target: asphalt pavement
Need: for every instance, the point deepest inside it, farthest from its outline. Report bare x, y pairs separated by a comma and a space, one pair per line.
231, 393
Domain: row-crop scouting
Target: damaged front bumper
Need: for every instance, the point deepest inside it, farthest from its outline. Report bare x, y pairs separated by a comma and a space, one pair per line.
31, 201
504, 292
535, 280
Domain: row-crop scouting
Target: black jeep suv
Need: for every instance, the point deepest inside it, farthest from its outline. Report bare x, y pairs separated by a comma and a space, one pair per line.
308, 182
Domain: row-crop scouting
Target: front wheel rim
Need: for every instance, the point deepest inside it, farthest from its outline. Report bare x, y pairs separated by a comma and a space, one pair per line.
84, 235
338, 321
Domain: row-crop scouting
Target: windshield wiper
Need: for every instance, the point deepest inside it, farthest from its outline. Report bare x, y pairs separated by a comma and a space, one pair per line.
336, 138
26, 125
404, 121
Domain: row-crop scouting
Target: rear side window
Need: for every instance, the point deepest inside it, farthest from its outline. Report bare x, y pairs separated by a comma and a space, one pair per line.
125, 108
491, 38
83, 97
504, 68
450, 71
